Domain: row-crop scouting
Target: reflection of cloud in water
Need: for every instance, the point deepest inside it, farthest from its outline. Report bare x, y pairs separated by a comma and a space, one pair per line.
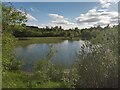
31, 46
65, 42
65, 54
36, 47
63, 45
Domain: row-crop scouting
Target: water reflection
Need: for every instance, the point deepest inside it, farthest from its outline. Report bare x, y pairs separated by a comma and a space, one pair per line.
65, 55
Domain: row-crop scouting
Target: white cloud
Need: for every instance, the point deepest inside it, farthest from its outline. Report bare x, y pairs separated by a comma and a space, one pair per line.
29, 17
105, 1
65, 26
56, 16
93, 17
99, 16
107, 5
59, 20
96, 17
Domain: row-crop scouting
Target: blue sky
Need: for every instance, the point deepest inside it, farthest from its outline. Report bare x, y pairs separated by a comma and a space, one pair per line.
40, 10
67, 14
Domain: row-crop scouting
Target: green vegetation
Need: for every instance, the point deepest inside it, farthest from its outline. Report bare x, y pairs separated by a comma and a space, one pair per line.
95, 68
100, 67
20, 79
24, 41
33, 40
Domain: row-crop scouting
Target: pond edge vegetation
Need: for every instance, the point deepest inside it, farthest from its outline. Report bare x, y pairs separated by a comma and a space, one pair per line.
97, 68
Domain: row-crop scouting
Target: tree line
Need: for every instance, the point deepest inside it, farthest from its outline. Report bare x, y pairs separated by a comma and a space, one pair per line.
34, 31
95, 69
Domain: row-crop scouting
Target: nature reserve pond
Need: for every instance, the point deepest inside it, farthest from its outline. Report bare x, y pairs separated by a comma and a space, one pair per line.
31, 51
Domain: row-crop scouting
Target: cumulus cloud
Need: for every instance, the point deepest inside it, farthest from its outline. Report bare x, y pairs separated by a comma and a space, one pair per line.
99, 16
94, 17
107, 5
59, 20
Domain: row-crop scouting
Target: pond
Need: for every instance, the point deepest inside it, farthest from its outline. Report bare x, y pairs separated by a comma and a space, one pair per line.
65, 52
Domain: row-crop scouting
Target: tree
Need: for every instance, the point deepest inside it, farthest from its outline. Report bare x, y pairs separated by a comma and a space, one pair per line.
11, 20
12, 17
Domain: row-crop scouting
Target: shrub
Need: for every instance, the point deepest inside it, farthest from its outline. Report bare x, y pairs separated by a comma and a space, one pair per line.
9, 62
98, 68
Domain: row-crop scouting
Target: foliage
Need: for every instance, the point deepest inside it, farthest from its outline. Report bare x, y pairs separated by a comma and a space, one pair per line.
46, 71
98, 59
8, 62
70, 78
15, 79
95, 67
24, 80
33, 40
12, 17
98, 66
31, 31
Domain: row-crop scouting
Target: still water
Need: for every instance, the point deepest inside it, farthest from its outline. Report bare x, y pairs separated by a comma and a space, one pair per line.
65, 53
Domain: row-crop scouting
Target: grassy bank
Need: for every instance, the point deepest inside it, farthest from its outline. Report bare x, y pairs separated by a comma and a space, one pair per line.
34, 40
23, 41
22, 79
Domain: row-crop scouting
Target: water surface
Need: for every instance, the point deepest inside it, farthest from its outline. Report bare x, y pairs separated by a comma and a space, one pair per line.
65, 53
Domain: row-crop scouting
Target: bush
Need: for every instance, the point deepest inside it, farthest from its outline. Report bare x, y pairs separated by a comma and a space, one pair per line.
98, 68
9, 62
46, 71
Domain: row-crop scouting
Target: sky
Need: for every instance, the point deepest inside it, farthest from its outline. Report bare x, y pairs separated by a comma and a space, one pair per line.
69, 14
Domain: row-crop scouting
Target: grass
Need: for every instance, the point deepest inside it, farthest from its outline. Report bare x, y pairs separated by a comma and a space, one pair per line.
14, 80
24, 41
22, 79
50, 84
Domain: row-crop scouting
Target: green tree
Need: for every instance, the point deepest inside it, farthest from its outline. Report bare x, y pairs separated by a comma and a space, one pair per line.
11, 20
12, 17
